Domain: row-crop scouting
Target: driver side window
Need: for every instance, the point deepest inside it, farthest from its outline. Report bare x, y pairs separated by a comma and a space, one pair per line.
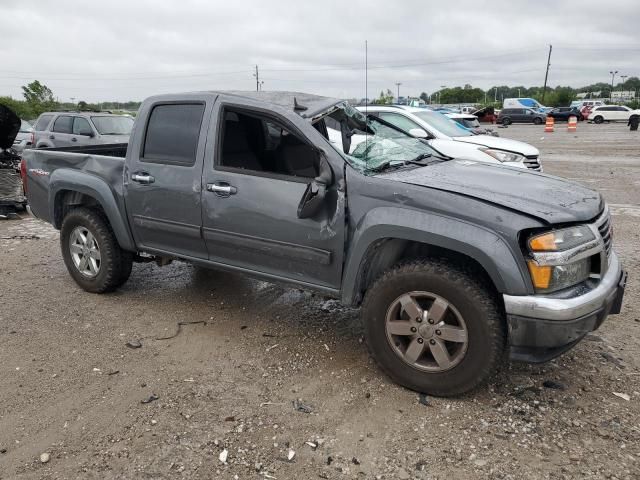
252, 143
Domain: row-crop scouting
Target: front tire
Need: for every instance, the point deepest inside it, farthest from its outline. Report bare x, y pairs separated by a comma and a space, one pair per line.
598, 119
91, 251
432, 327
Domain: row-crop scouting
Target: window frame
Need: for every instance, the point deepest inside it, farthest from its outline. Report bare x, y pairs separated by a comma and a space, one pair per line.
261, 114
143, 143
53, 126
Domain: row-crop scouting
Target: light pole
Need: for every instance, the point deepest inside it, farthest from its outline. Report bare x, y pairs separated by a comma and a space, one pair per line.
442, 87
613, 75
398, 85
495, 95
622, 86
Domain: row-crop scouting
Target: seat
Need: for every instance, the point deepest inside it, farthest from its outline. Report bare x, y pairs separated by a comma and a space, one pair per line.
296, 158
236, 151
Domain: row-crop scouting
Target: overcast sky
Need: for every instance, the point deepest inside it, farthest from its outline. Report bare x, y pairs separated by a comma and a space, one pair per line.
127, 50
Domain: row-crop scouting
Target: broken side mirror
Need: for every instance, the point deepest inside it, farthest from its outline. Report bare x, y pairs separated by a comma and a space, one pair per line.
313, 197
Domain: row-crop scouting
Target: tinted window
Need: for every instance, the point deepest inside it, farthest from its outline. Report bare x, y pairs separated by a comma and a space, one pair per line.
63, 124
81, 126
43, 121
254, 143
172, 134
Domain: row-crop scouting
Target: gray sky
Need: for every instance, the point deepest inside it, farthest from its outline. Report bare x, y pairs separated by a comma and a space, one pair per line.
122, 50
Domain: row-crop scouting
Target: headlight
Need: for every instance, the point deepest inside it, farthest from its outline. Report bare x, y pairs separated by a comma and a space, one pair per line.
503, 156
561, 258
561, 240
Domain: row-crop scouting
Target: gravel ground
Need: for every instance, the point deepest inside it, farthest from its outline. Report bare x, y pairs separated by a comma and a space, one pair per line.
227, 388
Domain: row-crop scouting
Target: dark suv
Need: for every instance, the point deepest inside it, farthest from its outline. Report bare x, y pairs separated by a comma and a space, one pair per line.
520, 115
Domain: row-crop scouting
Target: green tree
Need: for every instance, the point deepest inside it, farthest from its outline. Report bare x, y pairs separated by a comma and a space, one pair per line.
38, 97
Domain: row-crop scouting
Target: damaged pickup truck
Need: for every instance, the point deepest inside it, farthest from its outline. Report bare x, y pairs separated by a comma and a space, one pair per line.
453, 262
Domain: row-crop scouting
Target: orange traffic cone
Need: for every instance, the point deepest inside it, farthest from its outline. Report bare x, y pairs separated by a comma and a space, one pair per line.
548, 126
572, 124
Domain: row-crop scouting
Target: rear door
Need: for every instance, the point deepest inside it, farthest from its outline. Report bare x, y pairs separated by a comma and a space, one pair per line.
163, 178
256, 172
62, 131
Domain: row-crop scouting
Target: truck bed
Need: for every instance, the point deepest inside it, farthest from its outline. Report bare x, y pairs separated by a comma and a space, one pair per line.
51, 164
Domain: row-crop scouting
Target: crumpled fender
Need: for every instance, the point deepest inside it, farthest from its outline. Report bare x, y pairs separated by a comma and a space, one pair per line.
95, 187
481, 244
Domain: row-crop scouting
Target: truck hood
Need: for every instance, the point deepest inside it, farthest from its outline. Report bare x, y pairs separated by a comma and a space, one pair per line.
501, 143
9, 127
550, 199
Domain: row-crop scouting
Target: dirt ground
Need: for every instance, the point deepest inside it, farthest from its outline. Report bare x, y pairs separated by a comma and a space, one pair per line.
70, 387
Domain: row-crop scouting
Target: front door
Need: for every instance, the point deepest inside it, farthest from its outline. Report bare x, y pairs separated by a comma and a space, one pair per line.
82, 132
62, 131
163, 179
254, 177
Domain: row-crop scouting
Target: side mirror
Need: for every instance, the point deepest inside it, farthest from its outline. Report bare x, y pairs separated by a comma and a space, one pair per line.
313, 197
418, 133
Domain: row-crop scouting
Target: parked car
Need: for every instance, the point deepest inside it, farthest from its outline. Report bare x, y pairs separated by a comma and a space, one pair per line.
471, 122
562, 114
453, 262
611, 113
580, 104
508, 116
66, 129
486, 115
25, 137
11, 193
454, 140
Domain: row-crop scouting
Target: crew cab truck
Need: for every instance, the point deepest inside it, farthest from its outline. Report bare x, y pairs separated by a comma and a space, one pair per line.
453, 262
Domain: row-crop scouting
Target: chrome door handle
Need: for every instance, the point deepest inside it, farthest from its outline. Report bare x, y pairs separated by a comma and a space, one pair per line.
142, 178
222, 190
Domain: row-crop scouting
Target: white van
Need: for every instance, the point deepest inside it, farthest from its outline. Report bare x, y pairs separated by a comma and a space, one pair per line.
524, 103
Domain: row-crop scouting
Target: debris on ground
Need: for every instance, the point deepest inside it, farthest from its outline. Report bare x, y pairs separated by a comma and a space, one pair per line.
423, 400
179, 329
301, 407
552, 384
623, 396
268, 349
290, 455
224, 454
134, 344
45, 457
151, 398
312, 445
230, 418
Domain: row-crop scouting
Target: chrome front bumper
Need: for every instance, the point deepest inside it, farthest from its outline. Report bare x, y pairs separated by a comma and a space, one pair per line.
543, 327
550, 308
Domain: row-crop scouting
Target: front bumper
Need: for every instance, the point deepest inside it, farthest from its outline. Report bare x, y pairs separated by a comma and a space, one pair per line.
543, 327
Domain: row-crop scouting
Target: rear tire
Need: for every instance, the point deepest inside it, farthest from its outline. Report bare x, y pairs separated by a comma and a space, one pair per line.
506, 121
91, 251
598, 119
466, 304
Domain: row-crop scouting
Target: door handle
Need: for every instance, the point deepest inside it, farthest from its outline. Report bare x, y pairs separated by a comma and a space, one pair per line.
143, 178
74, 139
222, 189
52, 137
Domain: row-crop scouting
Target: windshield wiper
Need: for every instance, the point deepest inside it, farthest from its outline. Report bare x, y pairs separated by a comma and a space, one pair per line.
402, 163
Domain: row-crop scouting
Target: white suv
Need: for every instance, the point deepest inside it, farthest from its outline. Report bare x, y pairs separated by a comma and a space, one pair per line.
452, 139
611, 113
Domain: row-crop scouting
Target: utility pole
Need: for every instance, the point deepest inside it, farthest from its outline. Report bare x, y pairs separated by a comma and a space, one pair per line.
623, 77
257, 75
613, 75
398, 85
546, 75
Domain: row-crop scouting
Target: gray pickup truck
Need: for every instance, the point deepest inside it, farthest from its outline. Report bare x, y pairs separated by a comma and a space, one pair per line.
453, 262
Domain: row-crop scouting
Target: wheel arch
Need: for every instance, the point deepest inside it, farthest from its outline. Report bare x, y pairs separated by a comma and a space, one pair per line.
381, 246
70, 188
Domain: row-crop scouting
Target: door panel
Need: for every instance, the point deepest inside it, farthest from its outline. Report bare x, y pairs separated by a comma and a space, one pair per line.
255, 226
163, 194
61, 132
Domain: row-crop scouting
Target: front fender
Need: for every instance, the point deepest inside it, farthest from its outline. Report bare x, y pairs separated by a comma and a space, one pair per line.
92, 186
490, 250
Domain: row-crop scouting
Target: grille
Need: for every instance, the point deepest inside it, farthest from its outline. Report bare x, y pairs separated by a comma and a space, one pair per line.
603, 223
532, 163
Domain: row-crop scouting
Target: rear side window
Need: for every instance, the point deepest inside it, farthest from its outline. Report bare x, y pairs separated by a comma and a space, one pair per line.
172, 134
63, 124
42, 122
81, 126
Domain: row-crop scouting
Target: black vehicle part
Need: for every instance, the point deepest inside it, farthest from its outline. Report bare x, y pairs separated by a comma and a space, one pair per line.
506, 121
114, 264
9, 127
477, 311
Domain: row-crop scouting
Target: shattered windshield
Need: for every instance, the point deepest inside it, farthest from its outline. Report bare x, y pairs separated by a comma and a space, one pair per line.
371, 145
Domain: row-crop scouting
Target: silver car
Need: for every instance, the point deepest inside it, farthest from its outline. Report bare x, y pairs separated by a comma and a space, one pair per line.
25, 137
69, 129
